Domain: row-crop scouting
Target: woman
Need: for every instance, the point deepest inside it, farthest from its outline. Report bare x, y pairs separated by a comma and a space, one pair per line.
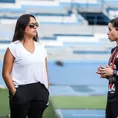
110, 72
25, 71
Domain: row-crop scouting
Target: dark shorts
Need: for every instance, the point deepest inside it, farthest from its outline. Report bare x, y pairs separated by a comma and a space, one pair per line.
112, 109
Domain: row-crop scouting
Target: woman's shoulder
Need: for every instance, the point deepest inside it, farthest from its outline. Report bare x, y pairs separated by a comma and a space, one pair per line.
14, 43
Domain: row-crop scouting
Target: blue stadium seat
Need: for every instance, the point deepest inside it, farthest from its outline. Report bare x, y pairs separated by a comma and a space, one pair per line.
7, 1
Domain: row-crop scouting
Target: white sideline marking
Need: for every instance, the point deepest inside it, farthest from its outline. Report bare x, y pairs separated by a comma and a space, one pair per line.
58, 111
92, 115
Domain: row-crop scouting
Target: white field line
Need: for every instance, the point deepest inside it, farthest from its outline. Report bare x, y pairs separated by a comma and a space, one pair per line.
91, 115
58, 111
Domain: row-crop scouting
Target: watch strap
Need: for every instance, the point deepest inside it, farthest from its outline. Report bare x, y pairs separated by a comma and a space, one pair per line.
114, 72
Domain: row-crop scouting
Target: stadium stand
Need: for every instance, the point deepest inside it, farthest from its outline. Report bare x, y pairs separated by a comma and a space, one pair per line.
61, 19
66, 25
7, 1
74, 33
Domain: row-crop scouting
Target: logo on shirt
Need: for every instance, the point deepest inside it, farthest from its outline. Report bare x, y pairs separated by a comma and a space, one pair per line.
112, 88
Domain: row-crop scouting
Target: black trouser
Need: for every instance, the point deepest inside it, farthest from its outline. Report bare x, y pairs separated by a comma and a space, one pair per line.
112, 109
29, 100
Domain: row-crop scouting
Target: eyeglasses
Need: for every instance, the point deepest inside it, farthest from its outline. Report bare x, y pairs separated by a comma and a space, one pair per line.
32, 25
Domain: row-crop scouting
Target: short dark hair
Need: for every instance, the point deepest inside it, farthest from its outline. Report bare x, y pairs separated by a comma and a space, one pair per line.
114, 23
21, 24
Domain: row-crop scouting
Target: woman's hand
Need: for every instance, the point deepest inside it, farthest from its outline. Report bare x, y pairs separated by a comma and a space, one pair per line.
99, 70
104, 72
108, 71
13, 92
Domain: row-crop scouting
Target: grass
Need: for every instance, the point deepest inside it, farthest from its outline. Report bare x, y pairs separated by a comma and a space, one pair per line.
60, 102
49, 112
79, 102
4, 106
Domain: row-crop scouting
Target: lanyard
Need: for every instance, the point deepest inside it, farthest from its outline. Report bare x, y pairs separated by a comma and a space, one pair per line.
113, 58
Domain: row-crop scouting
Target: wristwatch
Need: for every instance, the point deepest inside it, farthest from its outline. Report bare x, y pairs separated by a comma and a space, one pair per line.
114, 72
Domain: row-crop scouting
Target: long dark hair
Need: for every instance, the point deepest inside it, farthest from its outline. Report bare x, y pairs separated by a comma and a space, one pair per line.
21, 24
114, 23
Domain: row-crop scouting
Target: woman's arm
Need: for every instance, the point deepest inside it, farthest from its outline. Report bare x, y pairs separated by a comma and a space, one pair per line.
6, 70
46, 64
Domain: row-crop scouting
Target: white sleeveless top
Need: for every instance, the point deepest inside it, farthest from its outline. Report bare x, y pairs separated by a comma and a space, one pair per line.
28, 67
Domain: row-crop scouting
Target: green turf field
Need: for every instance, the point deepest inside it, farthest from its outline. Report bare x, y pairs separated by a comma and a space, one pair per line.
65, 102
79, 102
4, 107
